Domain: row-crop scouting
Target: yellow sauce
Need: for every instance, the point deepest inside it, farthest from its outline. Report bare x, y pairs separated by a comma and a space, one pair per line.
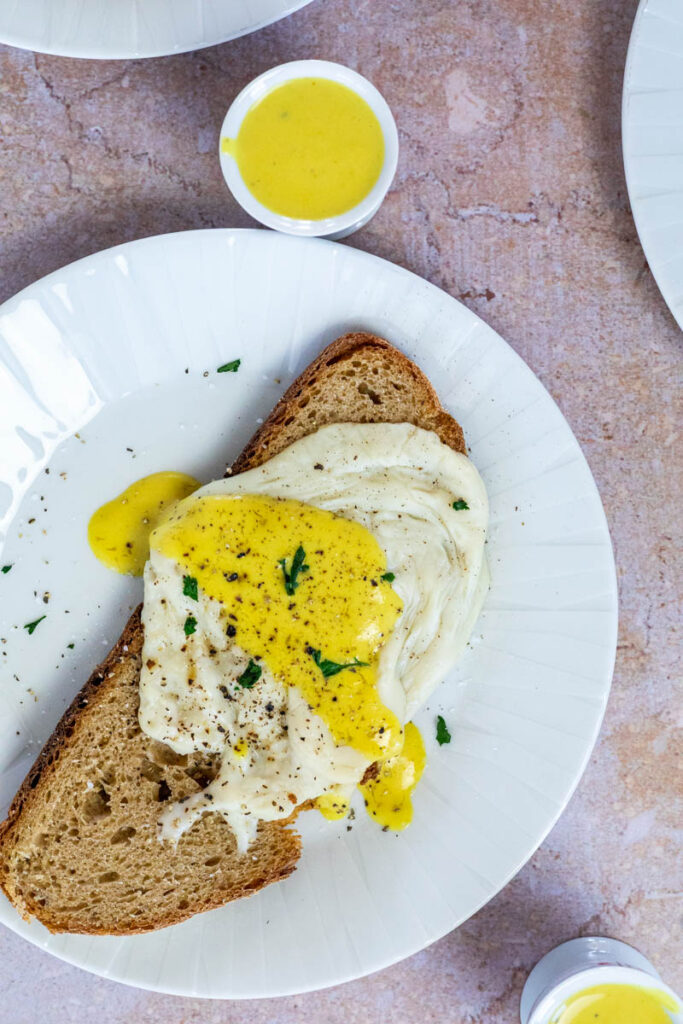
310, 149
387, 797
333, 806
241, 749
616, 1004
118, 532
324, 637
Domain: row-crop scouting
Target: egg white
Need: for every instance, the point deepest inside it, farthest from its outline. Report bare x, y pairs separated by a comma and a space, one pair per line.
398, 481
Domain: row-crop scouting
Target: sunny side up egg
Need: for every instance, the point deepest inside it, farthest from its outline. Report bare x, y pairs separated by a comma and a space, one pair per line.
297, 615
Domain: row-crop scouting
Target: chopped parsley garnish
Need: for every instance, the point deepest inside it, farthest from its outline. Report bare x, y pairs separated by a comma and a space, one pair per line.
190, 587
298, 566
331, 668
232, 367
442, 733
71, 646
388, 576
190, 626
30, 626
460, 504
5, 569
251, 675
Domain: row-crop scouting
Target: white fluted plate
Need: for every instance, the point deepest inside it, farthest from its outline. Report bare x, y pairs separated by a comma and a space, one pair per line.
112, 29
652, 138
107, 372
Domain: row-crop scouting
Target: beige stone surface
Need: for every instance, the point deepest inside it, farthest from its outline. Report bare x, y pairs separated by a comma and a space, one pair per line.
510, 195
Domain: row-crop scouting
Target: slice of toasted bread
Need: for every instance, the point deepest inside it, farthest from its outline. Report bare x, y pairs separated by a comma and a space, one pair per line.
79, 849
359, 378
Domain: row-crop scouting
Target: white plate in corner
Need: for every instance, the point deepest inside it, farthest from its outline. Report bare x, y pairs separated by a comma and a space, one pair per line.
124, 29
100, 349
652, 139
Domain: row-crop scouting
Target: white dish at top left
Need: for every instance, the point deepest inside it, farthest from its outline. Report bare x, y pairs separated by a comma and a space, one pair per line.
133, 28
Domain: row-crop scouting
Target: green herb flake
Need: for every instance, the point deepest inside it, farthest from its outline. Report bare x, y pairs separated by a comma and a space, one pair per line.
232, 367
71, 646
298, 566
442, 733
460, 505
190, 626
31, 626
251, 675
190, 587
5, 569
388, 577
331, 668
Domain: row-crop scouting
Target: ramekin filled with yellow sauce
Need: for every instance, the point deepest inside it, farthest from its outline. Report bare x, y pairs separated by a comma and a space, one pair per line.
310, 148
597, 981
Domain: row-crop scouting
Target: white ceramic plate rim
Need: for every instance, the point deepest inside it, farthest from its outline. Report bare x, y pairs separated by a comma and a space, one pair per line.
87, 45
629, 136
369, 264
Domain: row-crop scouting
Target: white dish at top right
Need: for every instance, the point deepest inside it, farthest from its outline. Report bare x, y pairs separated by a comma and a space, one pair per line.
652, 137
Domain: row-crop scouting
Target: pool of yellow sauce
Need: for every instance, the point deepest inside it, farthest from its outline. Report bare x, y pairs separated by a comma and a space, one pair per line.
340, 611
333, 805
119, 531
388, 796
616, 1004
310, 149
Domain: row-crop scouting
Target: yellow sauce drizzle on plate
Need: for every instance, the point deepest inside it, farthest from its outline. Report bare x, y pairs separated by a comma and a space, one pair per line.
325, 635
616, 1004
388, 796
333, 806
310, 149
119, 531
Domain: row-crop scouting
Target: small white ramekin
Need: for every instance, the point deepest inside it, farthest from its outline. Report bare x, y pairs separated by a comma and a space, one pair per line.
331, 227
583, 963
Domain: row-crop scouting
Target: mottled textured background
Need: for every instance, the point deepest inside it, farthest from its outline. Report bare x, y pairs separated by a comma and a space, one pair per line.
510, 195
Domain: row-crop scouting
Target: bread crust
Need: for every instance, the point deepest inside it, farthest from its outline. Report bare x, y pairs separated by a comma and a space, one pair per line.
427, 411
417, 403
